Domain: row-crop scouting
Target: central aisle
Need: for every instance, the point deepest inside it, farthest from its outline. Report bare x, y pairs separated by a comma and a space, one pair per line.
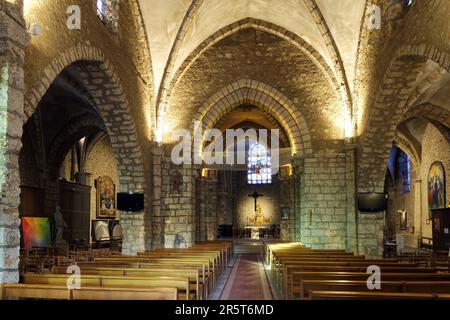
247, 280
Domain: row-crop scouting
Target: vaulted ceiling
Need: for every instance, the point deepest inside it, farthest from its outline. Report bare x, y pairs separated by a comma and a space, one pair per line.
177, 27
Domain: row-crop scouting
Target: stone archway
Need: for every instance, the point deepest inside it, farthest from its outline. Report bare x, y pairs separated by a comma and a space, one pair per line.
225, 32
386, 113
265, 97
105, 87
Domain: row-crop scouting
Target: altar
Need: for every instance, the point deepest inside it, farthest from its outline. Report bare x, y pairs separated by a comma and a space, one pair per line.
258, 225
257, 232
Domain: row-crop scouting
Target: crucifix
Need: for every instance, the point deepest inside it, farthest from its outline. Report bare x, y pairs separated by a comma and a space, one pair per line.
255, 196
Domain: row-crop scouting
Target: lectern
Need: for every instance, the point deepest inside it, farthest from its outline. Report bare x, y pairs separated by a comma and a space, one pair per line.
441, 229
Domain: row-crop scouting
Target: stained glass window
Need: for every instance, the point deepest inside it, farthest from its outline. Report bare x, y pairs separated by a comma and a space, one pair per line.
101, 8
404, 172
108, 12
259, 165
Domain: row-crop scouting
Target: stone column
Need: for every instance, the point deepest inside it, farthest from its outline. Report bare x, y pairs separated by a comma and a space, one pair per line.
157, 217
351, 241
210, 198
133, 232
13, 41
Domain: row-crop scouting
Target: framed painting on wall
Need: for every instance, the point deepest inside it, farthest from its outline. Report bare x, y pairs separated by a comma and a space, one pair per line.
106, 197
436, 187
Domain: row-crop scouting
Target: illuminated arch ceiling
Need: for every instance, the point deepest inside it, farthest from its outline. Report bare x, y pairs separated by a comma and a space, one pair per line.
176, 28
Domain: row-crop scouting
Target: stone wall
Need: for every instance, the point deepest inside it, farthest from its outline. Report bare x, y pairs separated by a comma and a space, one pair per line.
327, 217
322, 219
174, 221
207, 208
225, 198
435, 147
288, 198
13, 40
134, 230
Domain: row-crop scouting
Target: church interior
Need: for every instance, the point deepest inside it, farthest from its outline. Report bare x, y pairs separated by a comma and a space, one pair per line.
224, 150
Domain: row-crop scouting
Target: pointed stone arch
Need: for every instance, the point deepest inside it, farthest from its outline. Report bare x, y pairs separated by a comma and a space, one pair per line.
105, 87
257, 24
390, 104
248, 91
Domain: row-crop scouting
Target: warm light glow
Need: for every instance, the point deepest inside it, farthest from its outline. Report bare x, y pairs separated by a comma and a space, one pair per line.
159, 131
28, 6
348, 126
204, 173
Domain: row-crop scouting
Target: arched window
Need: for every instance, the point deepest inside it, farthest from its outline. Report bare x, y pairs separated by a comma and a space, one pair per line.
108, 12
101, 9
259, 165
404, 172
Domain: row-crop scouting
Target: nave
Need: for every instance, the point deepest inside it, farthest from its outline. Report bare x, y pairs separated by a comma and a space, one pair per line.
230, 270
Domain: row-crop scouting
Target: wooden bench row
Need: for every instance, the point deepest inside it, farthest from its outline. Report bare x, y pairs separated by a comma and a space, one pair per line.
49, 292
160, 274
302, 273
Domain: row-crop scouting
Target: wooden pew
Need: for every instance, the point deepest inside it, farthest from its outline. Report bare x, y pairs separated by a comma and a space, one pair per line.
194, 274
33, 291
297, 277
182, 284
208, 274
219, 255
344, 295
306, 286
215, 257
292, 266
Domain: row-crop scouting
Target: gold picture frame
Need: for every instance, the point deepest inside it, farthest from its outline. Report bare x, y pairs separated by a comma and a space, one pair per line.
106, 198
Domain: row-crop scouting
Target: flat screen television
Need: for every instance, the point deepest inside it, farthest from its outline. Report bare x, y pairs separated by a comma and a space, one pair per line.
130, 202
372, 202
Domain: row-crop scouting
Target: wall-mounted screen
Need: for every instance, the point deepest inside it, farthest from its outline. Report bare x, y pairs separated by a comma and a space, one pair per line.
130, 202
372, 202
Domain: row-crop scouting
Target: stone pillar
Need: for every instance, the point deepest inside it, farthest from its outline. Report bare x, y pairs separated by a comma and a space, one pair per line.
207, 207
288, 199
157, 216
418, 208
178, 200
13, 41
133, 232
323, 202
350, 237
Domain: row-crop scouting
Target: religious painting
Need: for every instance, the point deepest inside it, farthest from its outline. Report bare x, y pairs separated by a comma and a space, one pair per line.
259, 165
106, 197
436, 187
